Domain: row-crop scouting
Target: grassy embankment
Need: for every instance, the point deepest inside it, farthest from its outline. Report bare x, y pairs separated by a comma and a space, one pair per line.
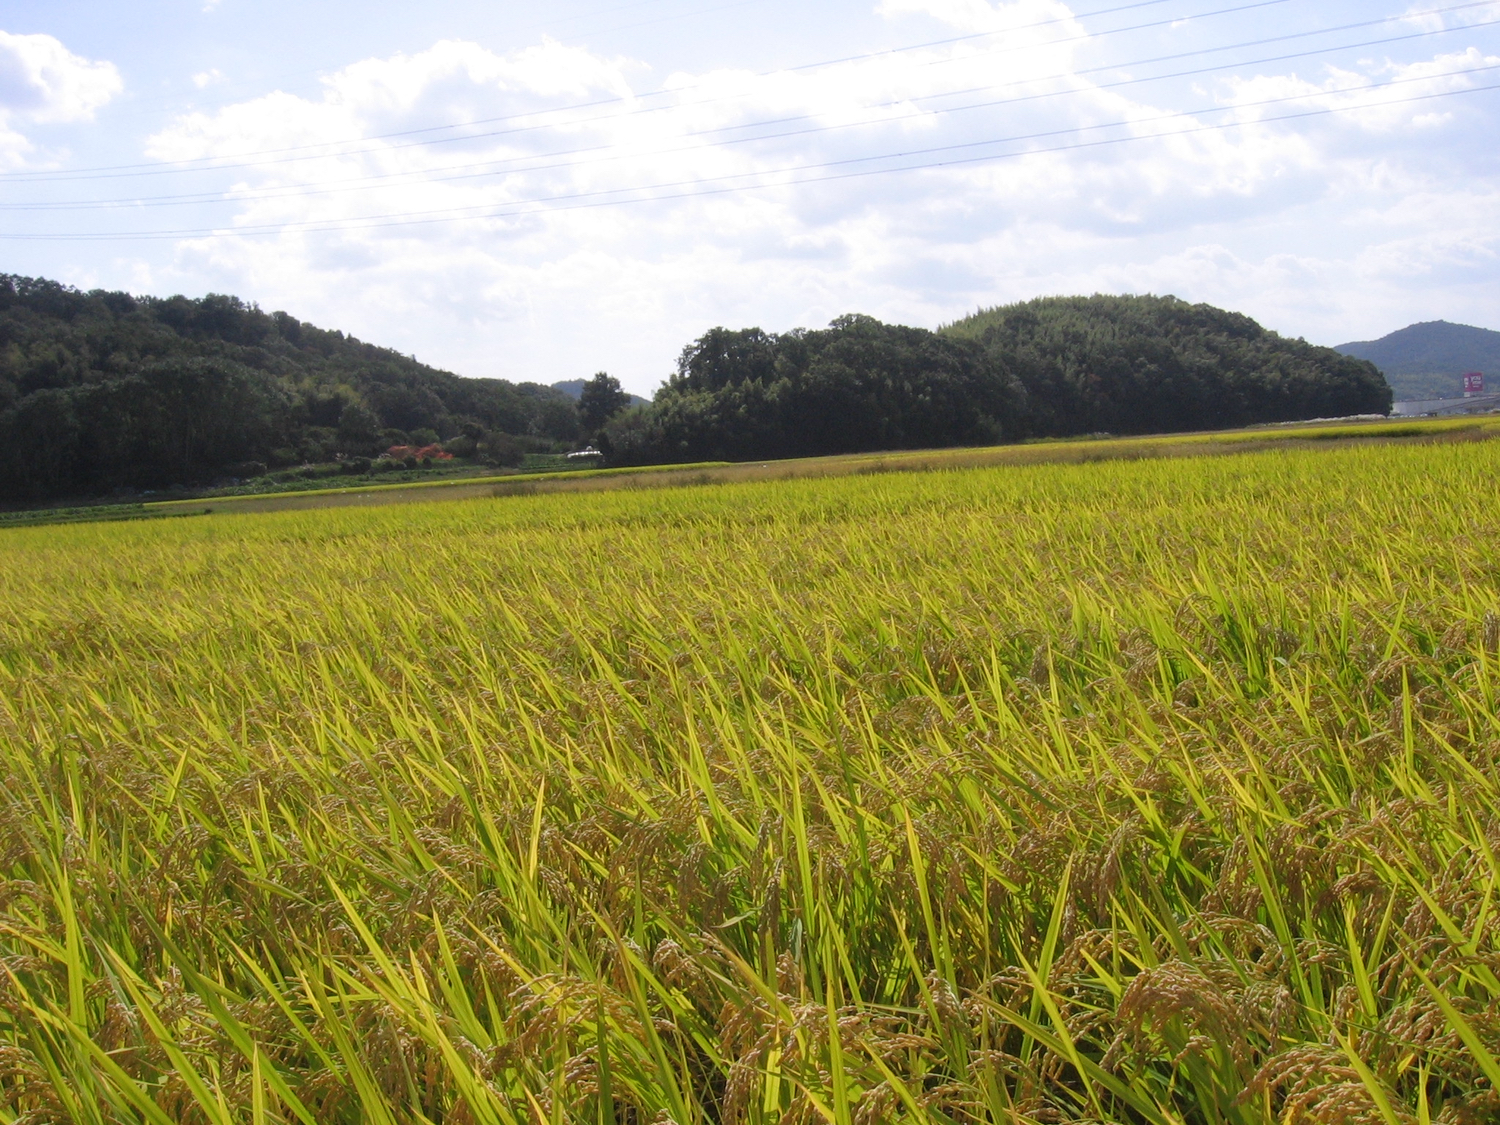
1157, 791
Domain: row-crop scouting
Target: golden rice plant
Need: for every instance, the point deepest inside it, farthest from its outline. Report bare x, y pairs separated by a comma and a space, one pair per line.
1157, 792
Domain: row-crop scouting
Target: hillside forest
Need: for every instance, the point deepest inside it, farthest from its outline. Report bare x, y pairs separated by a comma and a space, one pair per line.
1052, 367
103, 392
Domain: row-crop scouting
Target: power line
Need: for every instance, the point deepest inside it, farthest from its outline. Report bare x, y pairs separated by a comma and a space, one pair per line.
945, 61
426, 175
176, 167
139, 107
580, 200
492, 168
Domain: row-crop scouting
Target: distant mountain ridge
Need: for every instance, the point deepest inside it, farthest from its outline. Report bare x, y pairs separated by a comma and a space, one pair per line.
573, 388
1429, 360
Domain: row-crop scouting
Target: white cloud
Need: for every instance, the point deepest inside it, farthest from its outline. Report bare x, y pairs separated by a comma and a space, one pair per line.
1424, 16
981, 16
206, 78
1271, 217
43, 83
1388, 97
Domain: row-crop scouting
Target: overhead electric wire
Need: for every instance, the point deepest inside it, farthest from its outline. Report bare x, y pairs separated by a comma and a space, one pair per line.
596, 103
238, 160
575, 201
489, 167
72, 177
139, 107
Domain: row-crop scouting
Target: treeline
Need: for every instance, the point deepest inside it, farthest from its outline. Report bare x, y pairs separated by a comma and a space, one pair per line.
101, 391
1052, 367
1148, 364
856, 385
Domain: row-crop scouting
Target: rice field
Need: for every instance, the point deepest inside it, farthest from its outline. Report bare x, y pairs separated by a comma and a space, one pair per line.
1159, 791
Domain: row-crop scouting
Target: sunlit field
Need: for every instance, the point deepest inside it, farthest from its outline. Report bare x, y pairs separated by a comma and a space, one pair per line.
1158, 791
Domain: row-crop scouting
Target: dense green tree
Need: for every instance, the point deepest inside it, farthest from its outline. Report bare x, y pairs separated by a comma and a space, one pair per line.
359, 429
39, 440
1144, 364
145, 392
554, 416
1052, 367
501, 449
601, 399
859, 384
101, 391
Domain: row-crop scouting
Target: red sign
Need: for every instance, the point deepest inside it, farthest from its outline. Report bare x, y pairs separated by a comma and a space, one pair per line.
1473, 383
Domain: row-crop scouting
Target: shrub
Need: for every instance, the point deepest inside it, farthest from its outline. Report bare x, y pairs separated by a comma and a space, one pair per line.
461, 446
500, 449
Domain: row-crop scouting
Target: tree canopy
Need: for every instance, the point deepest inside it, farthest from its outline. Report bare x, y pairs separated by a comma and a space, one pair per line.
601, 399
858, 384
1145, 364
1051, 367
103, 390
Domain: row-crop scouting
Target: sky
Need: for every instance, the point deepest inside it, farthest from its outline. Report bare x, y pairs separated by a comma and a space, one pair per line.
542, 192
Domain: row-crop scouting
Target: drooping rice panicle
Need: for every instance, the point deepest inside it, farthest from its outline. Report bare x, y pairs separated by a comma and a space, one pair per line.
1158, 791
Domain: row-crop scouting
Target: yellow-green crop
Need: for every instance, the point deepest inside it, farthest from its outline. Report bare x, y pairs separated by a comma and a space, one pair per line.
1160, 792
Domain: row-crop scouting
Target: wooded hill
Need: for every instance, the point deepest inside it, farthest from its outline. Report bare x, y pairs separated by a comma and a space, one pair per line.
1052, 367
1429, 360
101, 391
104, 391
1153, 364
